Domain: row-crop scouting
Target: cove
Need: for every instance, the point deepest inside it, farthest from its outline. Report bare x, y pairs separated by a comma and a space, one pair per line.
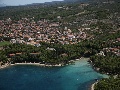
30, 77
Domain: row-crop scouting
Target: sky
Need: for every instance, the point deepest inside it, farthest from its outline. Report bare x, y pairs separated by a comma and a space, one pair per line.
23, 2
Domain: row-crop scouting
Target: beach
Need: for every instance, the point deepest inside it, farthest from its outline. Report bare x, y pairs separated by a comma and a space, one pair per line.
92, 86
39, 64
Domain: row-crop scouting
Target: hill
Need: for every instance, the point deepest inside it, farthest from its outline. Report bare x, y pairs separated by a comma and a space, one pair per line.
58, 33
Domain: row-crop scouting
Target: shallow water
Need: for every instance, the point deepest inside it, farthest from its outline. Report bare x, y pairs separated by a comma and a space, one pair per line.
30, 77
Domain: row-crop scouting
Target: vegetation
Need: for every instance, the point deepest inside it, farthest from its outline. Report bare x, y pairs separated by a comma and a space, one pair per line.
107, 64
108, 84
48, 53
4, 43
99, 20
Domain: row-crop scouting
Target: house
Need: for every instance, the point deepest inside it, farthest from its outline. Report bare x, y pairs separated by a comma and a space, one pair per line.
11, 55
101, 53
37, 45
118, 39
64, 55
18, 53
34, 53
51, 49
13, 41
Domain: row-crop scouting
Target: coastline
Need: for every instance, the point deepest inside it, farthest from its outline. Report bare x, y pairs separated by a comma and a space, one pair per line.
4, 66
93, 85
69, 69
49, 65
97, 70
39, 64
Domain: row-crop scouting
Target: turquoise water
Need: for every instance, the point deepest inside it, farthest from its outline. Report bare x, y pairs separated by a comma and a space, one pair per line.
30, 77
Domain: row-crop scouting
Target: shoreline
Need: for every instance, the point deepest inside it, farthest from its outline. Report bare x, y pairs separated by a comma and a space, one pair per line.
39, 64
93, 85
4, 66
49, 65
97, 70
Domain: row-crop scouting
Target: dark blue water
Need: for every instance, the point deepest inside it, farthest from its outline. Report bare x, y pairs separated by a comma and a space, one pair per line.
30, 77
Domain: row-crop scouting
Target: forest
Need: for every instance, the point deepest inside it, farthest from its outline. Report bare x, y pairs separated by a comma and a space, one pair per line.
103, 20
108, 84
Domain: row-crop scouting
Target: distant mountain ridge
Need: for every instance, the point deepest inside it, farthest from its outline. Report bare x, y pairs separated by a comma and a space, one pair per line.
64, 1
2, 5
49, 3
61, 2
57, 2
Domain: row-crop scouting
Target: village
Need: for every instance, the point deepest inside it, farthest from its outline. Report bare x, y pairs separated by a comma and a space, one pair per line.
63, 34
28, 31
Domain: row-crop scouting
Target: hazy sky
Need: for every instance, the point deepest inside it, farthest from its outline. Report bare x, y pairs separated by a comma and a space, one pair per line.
23, 2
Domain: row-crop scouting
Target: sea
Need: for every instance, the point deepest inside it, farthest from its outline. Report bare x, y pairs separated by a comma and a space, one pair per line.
78, 76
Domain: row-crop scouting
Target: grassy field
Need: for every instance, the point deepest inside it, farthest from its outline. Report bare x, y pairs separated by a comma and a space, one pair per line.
4, 43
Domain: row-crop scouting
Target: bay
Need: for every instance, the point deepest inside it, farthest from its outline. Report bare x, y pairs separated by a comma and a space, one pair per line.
30, 77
